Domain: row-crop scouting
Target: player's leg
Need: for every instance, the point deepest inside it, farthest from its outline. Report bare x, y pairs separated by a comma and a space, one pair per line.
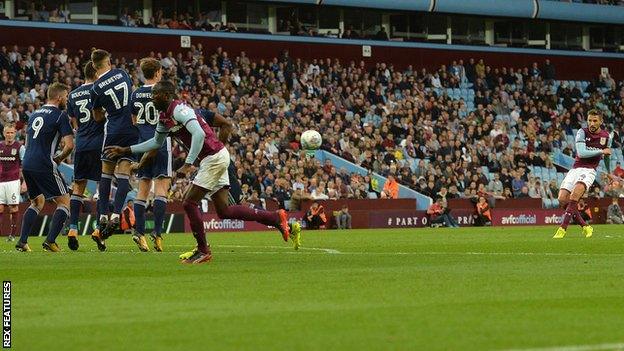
122, 174
202, 252
53, 187
104, 189
2, 219
162, 172
58, 222
213, 175
161, 192
37, 200
75, 205
13, 216
140, 204
278, 219
565, 189
28, 220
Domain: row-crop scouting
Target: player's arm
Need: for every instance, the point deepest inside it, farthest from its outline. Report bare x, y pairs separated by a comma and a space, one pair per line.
153, 144
97, 110
225, 127
68, 139
581, 148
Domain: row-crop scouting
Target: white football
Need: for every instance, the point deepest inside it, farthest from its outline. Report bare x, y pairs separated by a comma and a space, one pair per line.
311, 140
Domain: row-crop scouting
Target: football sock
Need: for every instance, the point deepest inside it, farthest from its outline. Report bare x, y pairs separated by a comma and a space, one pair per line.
250, 214
30, 215
104, 191
75, 204
579, 219
160, 206
13, 220
139, 216
58, 221
123, 186
197, 224
1, 222
570, 212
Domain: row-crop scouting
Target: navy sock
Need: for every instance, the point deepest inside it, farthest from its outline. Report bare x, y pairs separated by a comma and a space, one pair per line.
160, 206
30, 215
58, 221
123, 186
139, 217
104, 192
75, 205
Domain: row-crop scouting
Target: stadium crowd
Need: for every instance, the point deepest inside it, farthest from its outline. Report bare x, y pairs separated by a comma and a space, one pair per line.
402, 124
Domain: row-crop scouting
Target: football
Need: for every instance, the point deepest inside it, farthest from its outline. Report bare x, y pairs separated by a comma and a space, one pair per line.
311, 140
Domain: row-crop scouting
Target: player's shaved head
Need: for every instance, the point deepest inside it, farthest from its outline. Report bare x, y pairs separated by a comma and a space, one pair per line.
163, 93
100, 58
150, 67
89, 71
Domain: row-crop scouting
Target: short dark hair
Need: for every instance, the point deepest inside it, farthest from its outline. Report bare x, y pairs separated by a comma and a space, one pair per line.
149, 67
594, 112
89, 71
56, 89
99, 57
164, 87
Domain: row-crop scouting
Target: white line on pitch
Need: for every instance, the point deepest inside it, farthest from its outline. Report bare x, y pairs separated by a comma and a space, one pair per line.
597, 347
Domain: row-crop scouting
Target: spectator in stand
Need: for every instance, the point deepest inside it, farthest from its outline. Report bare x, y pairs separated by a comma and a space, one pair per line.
439, 214
315, 216
614, 212
484, 215
343, 218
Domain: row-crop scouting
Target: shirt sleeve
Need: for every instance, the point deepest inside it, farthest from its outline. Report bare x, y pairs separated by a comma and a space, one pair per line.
22, 151
95, 98
184, 114
64, 125
581, 147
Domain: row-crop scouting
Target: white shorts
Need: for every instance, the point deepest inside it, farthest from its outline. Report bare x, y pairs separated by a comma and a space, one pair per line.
213, 172
10, 192
578, 175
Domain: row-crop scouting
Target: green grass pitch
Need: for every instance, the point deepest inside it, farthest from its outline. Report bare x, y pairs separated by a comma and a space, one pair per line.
417, 289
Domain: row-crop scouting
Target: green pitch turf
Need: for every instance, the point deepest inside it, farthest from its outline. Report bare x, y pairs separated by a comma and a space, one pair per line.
425, 289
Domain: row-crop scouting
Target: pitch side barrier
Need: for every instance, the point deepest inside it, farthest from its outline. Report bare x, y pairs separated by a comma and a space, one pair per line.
365, 214
139, 42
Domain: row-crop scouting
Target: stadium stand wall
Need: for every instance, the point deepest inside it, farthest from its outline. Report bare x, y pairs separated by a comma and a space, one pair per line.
543, 9
137, 42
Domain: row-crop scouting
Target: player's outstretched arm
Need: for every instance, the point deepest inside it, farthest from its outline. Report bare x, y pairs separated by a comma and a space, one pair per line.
225, 127
152, 144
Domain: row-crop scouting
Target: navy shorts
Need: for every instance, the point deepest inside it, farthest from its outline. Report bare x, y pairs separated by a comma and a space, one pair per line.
51, 184
235, 187
161, 166
87, 165
120, 140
